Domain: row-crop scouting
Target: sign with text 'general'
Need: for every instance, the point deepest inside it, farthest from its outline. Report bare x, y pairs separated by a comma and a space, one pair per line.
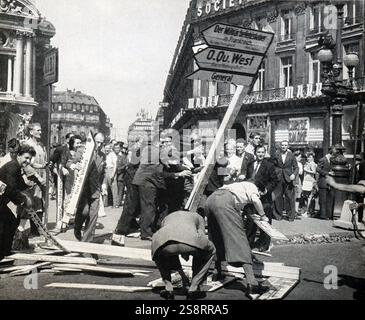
226, 36
226, 60
215, 76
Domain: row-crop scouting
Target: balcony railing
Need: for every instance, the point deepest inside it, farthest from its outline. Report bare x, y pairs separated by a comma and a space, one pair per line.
353, 20
287, 37
280, 94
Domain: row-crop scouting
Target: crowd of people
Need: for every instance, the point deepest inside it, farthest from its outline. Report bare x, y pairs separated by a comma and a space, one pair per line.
152, 180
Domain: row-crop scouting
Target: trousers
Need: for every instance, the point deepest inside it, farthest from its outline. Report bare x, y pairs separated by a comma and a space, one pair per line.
167, 260
86, 213
8, 226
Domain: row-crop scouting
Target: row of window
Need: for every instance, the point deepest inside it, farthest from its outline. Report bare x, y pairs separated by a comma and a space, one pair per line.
287, 74
321, 18
75, 107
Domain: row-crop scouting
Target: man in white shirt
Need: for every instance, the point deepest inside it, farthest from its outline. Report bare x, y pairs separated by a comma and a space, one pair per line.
255, 140
111, 175
36, 171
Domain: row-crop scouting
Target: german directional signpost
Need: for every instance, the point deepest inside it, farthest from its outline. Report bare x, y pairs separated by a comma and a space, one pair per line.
232, 55
237, 38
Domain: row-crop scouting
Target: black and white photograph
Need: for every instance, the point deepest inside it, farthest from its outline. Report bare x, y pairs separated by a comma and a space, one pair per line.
182, 155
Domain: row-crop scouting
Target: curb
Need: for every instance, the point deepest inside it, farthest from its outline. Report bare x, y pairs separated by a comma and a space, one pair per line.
325, 238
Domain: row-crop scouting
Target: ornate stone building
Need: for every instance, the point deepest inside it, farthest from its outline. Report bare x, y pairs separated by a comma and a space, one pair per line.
74, 111
24, 37
144, 126
287, 101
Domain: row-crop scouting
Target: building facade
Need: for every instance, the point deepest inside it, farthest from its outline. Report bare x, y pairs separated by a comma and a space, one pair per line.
24, 38
74, 111
143, 127
287, 102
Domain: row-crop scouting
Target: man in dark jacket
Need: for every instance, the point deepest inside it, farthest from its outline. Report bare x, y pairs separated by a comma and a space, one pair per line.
326, 200
264, 174
95, 186
182, 233
11, 191
122, 164
150, 179
287, 170
247, 160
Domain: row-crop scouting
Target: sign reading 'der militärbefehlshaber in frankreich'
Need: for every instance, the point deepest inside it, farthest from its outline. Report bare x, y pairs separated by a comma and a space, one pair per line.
223, 35
231, 54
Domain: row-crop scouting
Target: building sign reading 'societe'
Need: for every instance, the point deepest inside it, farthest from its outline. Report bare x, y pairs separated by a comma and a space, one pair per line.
210, 7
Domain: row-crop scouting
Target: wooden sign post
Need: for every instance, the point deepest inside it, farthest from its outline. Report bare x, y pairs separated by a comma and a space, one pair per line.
231, 115
232, 55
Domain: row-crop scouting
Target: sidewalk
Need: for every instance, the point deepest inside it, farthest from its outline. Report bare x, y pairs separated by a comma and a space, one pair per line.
309, 226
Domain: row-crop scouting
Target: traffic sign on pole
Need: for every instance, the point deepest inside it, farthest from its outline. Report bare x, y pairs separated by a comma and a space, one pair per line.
238, 38
229, 61
215, 76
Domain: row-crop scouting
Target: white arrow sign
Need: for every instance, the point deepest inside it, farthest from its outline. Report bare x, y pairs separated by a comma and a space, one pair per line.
228, 61
199, 47
220, 77
232, 37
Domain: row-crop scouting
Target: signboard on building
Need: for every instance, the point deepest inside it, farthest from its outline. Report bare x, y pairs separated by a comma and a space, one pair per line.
50, 67
298, 131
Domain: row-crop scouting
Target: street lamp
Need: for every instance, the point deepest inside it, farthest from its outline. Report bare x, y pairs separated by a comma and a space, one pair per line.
331, 57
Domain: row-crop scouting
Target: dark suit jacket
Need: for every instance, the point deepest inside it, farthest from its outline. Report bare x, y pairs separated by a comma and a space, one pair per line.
323, 168
247, 167
58, 154
95, 176
285, 170
11, 175
268, 177
182, 227
122, 164
150, 171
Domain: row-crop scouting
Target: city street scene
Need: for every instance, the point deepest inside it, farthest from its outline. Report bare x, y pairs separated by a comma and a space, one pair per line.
191, 150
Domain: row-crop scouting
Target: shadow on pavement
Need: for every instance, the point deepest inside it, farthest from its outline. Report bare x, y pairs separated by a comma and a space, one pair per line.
355, 283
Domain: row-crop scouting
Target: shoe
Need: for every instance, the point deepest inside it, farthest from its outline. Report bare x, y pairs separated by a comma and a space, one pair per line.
324, 218
78, 235
167, 295
146, 238
196, 295
266, 249
255, 290
118, 240
277, 217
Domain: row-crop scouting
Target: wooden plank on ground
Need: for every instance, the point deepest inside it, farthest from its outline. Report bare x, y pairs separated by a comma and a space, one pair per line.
213, 286
63, 269
6, 262
85, 286
270, 231
125, 272
262, 270
108, 250
56, 259
279, 288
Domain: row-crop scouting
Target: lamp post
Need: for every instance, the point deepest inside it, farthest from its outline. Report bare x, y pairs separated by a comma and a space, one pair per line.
331, 57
